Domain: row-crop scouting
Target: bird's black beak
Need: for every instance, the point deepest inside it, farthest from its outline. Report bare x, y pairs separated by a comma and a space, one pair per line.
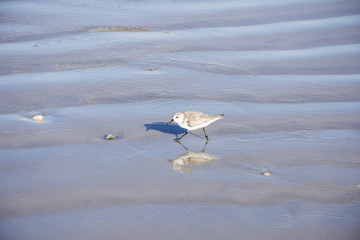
170, 121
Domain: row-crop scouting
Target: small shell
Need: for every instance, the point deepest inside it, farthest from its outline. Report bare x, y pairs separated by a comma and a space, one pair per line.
265, 173
110, 136
38, 118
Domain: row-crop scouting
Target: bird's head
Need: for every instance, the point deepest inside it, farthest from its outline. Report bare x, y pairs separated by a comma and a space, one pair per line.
178, 118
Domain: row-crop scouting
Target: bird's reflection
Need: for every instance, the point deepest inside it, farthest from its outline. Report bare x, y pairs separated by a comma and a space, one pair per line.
190, 158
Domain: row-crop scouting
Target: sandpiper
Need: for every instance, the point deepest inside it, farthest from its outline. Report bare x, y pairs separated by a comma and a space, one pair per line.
191, 120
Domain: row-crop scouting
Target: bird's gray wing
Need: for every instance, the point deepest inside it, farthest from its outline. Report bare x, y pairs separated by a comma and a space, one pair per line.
196, 119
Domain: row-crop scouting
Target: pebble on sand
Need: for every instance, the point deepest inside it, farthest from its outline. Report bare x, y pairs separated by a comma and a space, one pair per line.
265, 173
151, 68
38, 118
110, 136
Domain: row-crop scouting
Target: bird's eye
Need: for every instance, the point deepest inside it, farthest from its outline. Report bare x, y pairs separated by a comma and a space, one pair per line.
177, 117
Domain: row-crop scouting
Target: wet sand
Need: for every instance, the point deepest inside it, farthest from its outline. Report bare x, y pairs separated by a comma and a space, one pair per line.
285, 74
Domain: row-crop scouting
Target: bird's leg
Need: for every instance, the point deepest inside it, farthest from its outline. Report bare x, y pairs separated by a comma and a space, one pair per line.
205, 145
205, 134
182, 136
182, 145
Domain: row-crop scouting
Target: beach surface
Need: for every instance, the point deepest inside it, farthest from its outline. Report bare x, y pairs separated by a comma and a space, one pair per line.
283, 163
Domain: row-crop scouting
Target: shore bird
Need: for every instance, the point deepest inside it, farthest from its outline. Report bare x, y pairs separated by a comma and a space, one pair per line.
191, 120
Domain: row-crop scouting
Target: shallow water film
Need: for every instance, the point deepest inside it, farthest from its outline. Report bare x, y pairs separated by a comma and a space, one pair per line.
87, 87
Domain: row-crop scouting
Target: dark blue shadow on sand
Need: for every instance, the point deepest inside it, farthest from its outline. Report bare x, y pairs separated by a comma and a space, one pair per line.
163, 127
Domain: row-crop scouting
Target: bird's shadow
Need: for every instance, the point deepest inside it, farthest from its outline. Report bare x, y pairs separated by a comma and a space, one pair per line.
163, 127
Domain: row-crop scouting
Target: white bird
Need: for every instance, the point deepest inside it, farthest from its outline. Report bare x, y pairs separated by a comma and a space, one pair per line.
192, 120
